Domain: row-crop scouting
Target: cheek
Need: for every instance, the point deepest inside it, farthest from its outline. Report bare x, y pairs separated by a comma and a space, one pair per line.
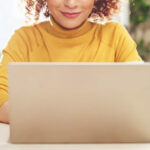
88, 4
53, 4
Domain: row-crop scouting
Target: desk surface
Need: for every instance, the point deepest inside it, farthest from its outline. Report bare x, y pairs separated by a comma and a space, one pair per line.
4, 145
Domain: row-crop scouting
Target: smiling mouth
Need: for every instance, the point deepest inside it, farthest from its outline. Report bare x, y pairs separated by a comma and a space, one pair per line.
71, 15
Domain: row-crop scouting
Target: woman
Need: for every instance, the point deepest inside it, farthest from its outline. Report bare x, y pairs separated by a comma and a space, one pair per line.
67, 37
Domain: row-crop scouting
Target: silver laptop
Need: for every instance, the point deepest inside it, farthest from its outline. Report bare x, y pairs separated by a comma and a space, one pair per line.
79, 102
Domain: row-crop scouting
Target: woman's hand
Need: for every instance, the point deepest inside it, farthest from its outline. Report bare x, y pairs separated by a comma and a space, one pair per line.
4, 113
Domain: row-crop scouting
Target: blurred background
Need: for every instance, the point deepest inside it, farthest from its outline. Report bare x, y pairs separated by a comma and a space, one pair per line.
139, 26
134, 15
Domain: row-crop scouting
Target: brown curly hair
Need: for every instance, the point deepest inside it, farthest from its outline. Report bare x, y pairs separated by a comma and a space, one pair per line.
102, 8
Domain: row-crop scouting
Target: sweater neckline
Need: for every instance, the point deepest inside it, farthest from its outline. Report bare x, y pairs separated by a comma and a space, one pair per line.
61, 32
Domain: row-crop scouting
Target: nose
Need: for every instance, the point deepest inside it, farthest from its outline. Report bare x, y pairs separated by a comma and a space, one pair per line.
70, 3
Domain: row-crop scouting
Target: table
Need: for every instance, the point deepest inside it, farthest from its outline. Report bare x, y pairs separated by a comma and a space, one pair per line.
5, 145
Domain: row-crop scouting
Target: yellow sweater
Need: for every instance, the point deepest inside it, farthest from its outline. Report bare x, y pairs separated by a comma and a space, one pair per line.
90, 42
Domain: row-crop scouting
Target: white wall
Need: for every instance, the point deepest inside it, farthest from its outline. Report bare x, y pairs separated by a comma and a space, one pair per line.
10, 19
124, 14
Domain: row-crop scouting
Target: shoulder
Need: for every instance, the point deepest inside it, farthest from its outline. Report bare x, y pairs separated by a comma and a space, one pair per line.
28, 34
31, 30
112, 32
112, 28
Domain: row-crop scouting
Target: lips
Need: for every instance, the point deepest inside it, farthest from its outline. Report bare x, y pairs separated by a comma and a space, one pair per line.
71, 15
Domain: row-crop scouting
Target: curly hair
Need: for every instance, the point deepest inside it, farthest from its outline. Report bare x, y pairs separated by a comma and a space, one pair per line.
102, 8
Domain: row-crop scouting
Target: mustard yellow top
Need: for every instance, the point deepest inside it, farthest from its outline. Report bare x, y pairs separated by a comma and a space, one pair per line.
91, 42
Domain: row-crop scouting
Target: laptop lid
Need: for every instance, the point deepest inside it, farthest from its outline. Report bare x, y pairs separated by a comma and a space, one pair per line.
79, 102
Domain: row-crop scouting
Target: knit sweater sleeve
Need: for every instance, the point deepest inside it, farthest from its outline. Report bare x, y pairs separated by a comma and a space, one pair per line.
15, 51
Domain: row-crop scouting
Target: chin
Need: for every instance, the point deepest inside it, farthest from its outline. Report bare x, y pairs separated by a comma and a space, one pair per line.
71, 26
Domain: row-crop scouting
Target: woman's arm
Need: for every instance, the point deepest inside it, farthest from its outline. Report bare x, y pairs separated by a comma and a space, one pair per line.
15, 51
4, 113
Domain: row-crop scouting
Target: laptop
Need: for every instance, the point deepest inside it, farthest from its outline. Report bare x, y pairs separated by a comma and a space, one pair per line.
79, 102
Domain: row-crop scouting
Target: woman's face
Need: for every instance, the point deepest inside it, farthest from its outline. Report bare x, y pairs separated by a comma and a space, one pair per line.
70, 14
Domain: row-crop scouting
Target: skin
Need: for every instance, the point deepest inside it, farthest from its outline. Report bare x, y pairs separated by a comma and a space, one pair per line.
4, 113
57, 6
